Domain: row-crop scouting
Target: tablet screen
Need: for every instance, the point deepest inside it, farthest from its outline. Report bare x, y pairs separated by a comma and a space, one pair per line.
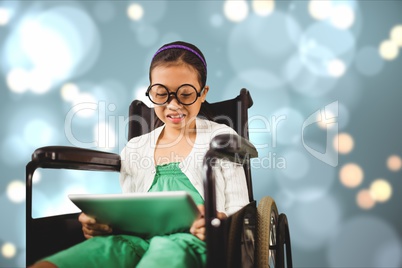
141, 214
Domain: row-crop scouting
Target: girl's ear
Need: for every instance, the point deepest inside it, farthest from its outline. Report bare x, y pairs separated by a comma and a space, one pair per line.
204, 93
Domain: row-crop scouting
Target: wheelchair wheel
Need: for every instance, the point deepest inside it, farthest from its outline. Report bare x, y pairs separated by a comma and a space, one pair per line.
267, 220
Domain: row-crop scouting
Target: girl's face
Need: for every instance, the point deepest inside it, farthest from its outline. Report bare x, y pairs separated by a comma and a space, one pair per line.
172, 113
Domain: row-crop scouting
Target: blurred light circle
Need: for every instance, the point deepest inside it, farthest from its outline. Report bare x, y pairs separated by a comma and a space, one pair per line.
8, 250
396, 35
336, 68
297, 164
16, 191
235, 11
40, 82
320, 9
394, 163
135, 11
321, 42
351, 175
333, 114
262, 42
38, 132
364, 199
59, 42
368, 61
17, 80
287, 128
263, 7
264, 82
85, 105
342, 16
69, 92
343, 143
304, 81
360, 243
389, 50
317, 175
325, 119
315, 222
381, 190
4, 16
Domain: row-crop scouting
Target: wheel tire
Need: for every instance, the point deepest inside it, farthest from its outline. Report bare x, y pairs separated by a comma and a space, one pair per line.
267, 217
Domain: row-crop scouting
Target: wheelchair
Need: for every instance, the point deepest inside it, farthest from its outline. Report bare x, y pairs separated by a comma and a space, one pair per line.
255, 236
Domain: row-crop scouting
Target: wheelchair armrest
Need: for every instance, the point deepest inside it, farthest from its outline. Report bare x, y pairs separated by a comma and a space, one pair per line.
75, 158
233, 147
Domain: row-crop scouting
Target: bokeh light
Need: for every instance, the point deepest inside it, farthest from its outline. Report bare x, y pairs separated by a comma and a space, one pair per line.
336, 68
235, 11
135, 11
16, 191
84, 105
381, 190
263, 7
394, 163
4, 16
389, 50
17, 80
364, 199
320, 9
396, 35
69, 92
342, 16
8, 250
321, 42
343, 143
351, 175
40, 82
325, 119
50, 46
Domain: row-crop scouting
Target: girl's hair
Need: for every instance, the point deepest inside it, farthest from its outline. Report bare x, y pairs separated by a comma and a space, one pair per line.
181, 52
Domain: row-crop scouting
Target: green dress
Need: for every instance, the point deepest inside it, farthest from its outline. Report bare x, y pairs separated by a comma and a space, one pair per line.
174, 250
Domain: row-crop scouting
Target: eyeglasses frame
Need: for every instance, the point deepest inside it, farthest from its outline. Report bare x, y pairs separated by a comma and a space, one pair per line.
198, 94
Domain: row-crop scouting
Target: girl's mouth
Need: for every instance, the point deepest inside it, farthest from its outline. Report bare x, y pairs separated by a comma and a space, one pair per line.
177, 118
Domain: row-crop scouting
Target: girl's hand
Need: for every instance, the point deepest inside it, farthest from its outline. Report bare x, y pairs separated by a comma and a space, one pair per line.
90, 228
198, 227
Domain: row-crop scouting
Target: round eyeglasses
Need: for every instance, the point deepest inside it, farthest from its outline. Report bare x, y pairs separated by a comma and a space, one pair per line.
159, 94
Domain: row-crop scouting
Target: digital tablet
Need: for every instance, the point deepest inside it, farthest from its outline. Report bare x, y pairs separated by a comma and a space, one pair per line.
141, 214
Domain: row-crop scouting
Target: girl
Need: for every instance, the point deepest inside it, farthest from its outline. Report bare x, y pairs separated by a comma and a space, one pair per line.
166, 159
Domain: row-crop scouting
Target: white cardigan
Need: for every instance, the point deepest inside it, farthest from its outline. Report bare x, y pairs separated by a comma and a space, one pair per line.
138, 167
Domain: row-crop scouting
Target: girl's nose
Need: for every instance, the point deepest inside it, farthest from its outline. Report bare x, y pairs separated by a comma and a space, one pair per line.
173, 104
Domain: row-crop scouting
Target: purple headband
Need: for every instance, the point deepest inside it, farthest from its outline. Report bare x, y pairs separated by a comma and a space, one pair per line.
182, 47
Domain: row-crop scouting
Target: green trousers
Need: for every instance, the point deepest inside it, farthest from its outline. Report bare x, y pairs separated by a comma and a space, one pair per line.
175, 250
